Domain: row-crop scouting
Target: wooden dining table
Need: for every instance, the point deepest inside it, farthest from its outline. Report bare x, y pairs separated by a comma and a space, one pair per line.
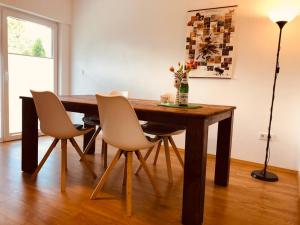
196, 121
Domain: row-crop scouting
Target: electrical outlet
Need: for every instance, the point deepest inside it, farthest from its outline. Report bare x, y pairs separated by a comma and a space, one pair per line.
264, 136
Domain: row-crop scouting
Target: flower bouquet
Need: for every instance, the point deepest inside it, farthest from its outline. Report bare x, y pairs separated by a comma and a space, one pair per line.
181, 72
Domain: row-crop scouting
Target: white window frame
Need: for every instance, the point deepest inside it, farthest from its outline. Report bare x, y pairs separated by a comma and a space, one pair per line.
6, 12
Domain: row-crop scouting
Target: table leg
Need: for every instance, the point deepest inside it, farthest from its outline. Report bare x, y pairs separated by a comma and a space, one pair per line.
194, 172
223, 151
29, 136
87, 137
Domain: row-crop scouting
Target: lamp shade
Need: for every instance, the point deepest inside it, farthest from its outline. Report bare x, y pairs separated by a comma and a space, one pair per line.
283, 13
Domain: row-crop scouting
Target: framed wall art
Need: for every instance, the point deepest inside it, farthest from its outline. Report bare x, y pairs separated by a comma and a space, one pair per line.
210, 41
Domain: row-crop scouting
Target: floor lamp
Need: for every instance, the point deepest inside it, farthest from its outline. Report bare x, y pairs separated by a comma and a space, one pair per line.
281, 20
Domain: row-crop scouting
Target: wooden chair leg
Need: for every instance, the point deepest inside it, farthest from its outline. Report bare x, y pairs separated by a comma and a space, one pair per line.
50, 149
125, 169
105, 174
168, 159
93, 138
145, 158
144, 165
80, 153
104, 153
66, 163
129, 184
157, 152
63, 165
103, 146
176, 150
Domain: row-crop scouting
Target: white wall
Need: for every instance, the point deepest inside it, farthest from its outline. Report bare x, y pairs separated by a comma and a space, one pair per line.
58, 10
299, 172
130, 44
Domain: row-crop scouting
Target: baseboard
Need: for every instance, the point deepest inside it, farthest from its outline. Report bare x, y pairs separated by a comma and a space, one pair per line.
258, 165
299, 185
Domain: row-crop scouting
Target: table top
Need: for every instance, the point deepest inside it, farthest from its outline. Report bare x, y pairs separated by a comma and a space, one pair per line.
152, 106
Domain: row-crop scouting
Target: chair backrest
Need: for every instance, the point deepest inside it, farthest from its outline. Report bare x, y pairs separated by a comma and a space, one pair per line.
119, 93
119, 123
53, 117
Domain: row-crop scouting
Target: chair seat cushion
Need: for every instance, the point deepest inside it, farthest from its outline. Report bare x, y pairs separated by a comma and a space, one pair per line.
161, 129
91, 120
78, 126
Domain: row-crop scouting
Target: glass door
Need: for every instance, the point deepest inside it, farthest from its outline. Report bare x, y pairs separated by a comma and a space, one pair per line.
29, 48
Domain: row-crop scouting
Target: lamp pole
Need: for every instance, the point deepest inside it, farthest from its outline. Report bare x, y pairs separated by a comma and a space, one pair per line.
264, 174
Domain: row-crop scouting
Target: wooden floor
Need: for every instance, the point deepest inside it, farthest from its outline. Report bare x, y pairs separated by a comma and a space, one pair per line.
245, 202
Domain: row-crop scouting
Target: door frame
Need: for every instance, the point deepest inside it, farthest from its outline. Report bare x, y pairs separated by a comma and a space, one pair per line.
7, 12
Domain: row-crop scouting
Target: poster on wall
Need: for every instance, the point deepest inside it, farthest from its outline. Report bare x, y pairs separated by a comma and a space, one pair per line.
210, 41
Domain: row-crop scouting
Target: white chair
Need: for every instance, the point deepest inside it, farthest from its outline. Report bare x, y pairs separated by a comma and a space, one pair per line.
163, 133
55, 122
94, 121
121, 129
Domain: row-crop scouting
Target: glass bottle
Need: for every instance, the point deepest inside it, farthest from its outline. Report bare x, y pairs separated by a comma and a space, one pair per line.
184, 91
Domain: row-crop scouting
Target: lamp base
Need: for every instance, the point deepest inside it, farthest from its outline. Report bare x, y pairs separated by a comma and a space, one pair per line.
268, 176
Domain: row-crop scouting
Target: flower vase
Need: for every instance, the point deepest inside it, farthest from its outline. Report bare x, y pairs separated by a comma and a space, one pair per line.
177, 82
177, 97
177, 86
